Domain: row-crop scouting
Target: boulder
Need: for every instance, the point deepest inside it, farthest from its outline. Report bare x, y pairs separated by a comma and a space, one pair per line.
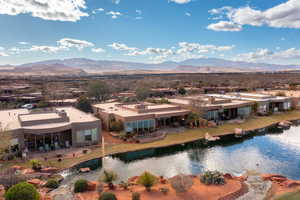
92, 186
228, 176
272, 177
84, 170
278, 179
28, 171
290, 183
36, 182
50, 170
17, 167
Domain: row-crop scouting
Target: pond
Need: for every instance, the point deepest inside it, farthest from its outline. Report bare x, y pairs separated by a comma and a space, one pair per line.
269, 150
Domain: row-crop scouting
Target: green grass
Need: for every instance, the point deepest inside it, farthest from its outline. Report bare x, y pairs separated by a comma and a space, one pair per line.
290, 196
171, 139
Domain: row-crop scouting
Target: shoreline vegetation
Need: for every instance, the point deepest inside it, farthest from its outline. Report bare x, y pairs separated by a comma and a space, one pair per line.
190, 135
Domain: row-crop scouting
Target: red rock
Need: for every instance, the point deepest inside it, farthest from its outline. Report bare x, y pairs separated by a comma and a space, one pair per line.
271, 176
36, 182
92, 185
84, 170
17, 167
278, 179
28, 171
290, 183
50, 170
228, 176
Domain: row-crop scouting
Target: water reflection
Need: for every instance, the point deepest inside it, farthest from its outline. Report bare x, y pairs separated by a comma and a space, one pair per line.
271, 151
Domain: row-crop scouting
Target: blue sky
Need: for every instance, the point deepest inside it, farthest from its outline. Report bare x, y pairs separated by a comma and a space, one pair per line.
150, 30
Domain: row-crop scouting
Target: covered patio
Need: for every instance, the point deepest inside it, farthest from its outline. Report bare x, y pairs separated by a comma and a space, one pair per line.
48, 141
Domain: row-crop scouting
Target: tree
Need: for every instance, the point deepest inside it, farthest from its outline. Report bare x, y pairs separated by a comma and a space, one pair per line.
5, 136
99, 90
22, 191
182, 91
147, 180
84, 104
142, 93
109, 177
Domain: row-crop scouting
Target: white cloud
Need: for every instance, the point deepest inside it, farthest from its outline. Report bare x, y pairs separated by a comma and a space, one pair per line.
3, 54
116, 1
184, 50
180, 1
122, 47
138, 12
23, 43
46, 49
2, 48
225, 26
266, 55
74, 43
284, 15
139, 18
98, 50
60, 10
98, 10
113, 14
188, 14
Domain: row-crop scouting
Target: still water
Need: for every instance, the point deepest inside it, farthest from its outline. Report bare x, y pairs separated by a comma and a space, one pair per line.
269, 150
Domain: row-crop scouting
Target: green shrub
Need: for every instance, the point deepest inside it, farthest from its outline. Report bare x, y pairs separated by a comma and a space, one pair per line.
36, 164
108, 196
147, 180
212, 177
136, 196
22, 191
109, 177
80, 186
52, 183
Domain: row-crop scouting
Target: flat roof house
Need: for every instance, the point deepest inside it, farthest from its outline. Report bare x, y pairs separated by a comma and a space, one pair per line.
55, 128
266, 103
142, 117
215, 108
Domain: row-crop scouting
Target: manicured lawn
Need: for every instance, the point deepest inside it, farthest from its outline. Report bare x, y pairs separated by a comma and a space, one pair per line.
172, 139
290, 196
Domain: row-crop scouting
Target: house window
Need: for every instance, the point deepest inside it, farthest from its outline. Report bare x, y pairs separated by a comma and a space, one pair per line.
87, 135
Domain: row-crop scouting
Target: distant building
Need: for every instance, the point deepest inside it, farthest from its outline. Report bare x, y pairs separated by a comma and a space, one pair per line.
43, 130
144, 117
215, 108
265, 103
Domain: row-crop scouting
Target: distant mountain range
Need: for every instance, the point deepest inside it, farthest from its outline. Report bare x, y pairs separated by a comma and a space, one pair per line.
83, 66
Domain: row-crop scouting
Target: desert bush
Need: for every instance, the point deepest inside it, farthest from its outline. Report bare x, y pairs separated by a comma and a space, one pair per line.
52, 183
109, 177
124, 185
80, 185
36, 164
181, 183
212, 177
135, 196
108, 196
22, 191
147, 180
